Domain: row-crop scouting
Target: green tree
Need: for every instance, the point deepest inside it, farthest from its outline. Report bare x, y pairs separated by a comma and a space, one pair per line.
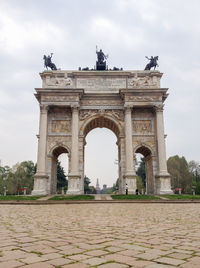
21, 176
141, 172
115, 187
181, 176
139, 183
194, 168
87, 188
61, 177
4, 175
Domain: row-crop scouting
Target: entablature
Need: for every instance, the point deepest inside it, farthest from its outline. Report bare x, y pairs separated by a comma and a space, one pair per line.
104, 81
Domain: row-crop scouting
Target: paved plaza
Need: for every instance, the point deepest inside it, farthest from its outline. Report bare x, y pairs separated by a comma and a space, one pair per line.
100, 235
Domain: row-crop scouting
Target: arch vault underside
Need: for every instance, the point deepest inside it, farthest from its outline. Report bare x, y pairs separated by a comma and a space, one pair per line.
130, 103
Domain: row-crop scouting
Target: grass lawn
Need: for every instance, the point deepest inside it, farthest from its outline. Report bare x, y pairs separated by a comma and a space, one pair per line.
19, 197
133, 196
72, 197
184, 196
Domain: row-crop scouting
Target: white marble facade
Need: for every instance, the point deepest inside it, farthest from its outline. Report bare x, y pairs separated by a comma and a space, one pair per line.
130, 103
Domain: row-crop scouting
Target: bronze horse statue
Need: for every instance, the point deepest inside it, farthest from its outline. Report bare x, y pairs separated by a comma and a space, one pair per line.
152, 63
48, 63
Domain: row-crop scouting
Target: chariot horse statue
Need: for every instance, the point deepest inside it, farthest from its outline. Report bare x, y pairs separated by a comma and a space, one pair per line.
152, 63
48, 63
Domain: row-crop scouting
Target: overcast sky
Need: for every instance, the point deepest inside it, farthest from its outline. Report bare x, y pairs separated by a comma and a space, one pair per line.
127, 30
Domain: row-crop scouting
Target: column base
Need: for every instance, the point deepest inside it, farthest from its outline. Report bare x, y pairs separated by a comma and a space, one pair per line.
40, 184
130, 180
163, 183
74, 185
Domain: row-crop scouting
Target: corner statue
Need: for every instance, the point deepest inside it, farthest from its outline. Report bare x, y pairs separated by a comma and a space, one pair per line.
152, 63
48, 63
101, 63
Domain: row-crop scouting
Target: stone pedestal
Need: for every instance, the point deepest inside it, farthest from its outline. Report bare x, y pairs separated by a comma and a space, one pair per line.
164, 184
74, 185
40, 185
131, 182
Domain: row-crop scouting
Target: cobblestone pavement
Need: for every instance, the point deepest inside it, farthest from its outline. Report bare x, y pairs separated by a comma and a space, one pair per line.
100, 235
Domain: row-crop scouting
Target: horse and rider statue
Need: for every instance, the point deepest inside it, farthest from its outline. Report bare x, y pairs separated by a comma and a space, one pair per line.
48, 63
100, 63
152, 63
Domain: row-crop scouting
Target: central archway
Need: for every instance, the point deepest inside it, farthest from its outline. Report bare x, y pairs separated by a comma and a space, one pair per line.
109, 123
101, 122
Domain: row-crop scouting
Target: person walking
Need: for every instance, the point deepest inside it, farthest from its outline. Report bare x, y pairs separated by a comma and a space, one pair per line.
126, 189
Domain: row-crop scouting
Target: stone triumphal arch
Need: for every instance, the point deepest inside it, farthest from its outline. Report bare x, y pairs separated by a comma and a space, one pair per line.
130, 103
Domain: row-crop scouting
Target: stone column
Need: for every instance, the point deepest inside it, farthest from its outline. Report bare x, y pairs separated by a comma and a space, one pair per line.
74, 177
122, 164
162, 176
74, 150
130, 176
41, 177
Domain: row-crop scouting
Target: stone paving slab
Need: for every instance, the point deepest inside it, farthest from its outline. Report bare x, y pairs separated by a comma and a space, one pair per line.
100, 235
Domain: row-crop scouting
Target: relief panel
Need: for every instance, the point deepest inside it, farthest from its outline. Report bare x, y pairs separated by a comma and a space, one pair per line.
60, 80
142, 126
146, 81
60, 126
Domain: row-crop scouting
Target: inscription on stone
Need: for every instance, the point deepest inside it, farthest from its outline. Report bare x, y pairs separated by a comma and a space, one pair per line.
101, 84
60, 126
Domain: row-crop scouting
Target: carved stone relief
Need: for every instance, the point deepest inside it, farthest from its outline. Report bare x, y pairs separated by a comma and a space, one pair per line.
117, 114
143, 98
142, 126
149, 142
146, 81
74, 184
61, 126
87, 113
58, 81
53, 98
101, 102
54, 141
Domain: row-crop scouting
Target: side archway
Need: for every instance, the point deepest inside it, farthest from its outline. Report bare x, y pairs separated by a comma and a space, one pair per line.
146, 151
56, 151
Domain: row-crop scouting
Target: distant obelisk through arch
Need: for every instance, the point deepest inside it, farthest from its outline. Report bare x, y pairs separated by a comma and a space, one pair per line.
130, 103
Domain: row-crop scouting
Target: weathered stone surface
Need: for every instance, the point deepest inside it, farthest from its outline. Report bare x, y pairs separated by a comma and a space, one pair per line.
129, 103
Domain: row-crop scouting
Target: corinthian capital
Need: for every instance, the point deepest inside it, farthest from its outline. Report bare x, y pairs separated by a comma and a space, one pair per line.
44, 108
75, 107
128, 107
159, 107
